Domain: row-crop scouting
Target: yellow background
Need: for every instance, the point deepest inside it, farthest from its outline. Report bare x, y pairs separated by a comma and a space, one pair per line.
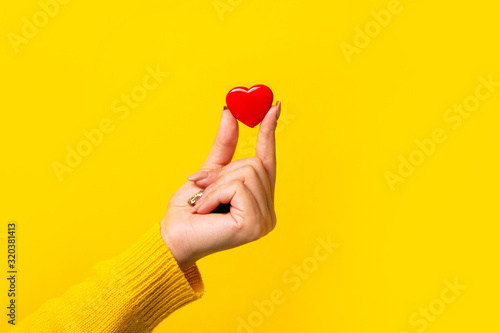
343, 126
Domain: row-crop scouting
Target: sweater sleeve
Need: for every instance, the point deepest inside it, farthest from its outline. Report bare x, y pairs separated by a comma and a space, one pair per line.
132, 292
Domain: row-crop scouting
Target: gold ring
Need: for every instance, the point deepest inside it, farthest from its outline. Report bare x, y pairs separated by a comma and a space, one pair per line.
194, 198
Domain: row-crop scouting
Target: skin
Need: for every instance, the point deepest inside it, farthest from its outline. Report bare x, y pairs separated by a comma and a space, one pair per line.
192, 233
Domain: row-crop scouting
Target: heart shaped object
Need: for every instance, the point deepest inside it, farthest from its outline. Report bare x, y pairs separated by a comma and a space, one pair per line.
250, 106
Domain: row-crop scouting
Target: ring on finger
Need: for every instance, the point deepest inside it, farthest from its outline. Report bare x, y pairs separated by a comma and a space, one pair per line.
194, 198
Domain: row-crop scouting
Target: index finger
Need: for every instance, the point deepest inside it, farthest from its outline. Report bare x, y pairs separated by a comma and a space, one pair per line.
266, 143
224, 145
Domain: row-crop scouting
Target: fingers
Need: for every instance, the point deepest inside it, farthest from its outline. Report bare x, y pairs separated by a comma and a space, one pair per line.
224, 145
248, 223
224, 231
248, 175
243, 203
266, 143
206, 178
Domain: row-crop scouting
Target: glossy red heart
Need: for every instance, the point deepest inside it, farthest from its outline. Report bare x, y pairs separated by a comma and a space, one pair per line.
250, 106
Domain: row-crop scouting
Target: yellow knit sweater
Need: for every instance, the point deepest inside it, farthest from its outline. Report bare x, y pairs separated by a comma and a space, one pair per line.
133, 292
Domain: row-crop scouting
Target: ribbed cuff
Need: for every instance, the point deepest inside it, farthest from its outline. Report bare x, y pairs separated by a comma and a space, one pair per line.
153, 284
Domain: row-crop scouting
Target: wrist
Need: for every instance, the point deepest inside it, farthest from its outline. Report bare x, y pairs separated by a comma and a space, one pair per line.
177, 247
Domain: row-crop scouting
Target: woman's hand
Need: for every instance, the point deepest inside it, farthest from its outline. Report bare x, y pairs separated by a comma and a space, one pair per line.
247, 185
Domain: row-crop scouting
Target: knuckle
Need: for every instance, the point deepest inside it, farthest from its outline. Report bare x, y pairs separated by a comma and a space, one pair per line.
256, 162
253, 159
237, 228
249, 171
252, 229
238, 184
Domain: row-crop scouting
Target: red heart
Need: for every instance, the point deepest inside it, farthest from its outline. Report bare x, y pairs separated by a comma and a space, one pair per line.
250, 106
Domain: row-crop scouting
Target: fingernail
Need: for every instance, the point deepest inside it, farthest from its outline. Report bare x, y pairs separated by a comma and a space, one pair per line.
198, 176
278, 113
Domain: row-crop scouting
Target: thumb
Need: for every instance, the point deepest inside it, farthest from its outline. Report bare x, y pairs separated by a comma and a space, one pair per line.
224, 145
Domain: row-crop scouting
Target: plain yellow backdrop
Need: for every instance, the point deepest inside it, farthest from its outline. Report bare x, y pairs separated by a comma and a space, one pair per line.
346, 123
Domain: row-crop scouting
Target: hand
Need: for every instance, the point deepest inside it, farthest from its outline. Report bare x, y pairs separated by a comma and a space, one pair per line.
247, 185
